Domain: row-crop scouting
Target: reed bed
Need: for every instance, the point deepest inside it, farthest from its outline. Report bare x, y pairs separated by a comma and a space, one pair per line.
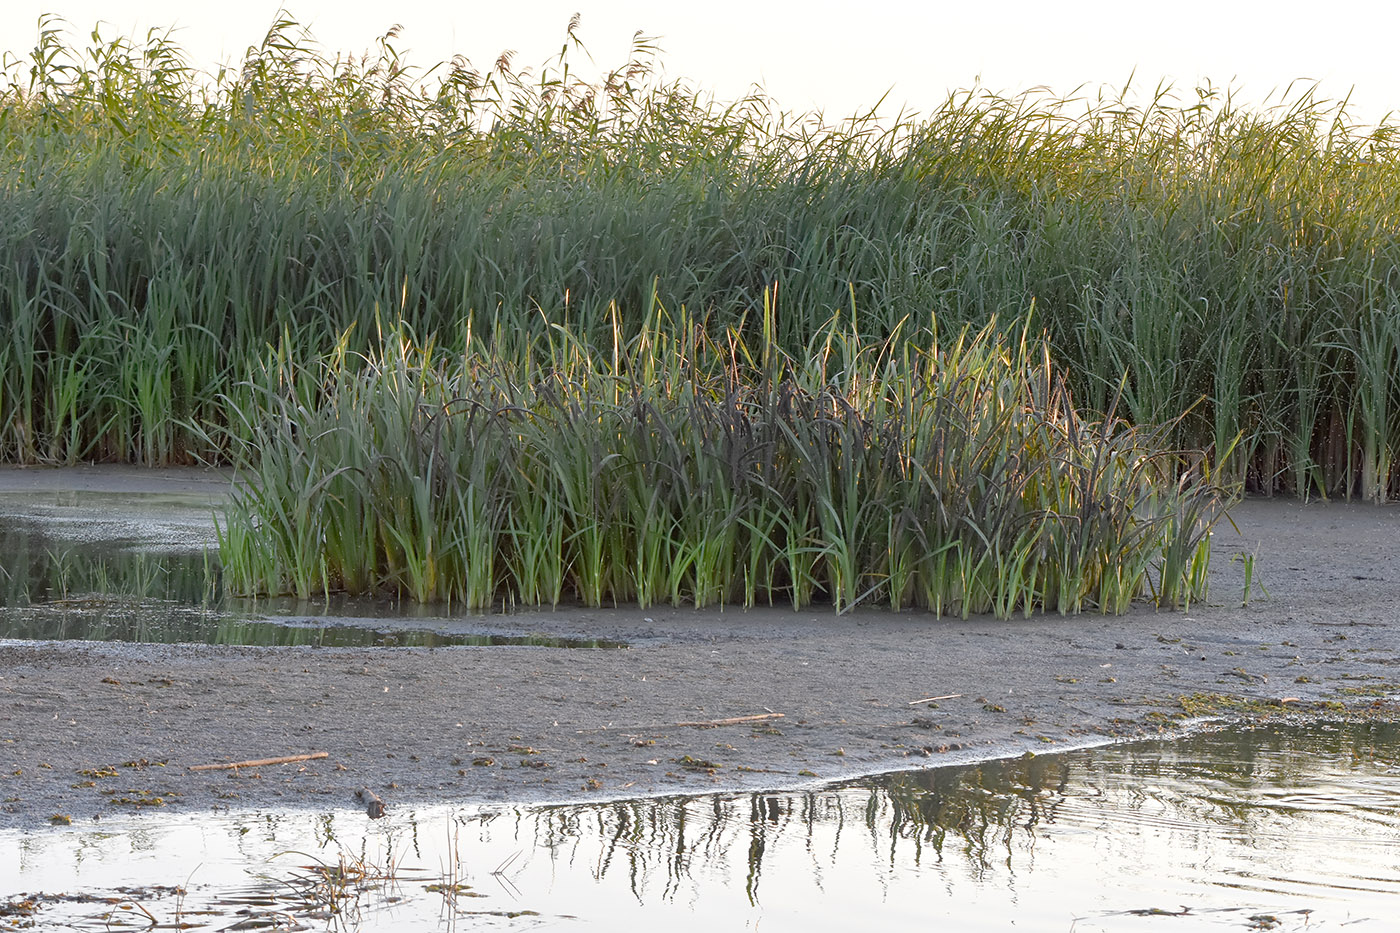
681, 467
1235, 272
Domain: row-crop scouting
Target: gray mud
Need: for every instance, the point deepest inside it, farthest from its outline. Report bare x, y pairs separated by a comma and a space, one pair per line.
92, 729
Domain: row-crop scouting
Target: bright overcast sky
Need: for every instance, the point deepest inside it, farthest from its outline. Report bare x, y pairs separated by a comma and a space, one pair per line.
821, 54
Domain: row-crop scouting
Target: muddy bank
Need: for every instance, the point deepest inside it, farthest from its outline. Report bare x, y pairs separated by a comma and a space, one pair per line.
89, 729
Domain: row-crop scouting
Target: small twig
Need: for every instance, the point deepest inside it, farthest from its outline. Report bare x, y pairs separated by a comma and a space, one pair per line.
640, 729
735, 720
137, 904
259, 762
946, 696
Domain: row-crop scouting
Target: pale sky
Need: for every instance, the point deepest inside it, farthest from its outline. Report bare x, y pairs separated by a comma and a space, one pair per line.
835, 56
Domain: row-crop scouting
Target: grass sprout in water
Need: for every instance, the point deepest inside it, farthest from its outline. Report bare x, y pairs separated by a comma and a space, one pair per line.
317, 894
332, 891
949, 474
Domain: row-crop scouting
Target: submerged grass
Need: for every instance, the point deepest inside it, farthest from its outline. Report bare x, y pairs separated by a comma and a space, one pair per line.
687, 465
1233, 273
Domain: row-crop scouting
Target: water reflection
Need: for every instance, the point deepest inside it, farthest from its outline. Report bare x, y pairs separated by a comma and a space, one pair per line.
35, 574
142, 567
1285, 828
1232, 825
148, 622
61, 547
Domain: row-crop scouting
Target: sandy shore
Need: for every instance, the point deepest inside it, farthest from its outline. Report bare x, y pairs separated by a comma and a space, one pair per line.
88, 729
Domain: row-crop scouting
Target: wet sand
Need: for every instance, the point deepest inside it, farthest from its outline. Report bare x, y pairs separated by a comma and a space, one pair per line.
92, 729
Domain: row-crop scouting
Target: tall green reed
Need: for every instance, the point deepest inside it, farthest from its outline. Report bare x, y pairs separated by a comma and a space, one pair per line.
681, 467
1229, 271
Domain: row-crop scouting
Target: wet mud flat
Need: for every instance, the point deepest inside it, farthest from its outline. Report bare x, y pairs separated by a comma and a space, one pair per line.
699, 701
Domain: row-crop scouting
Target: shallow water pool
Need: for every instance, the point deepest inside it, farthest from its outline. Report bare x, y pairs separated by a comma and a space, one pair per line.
142, 567
1278, 828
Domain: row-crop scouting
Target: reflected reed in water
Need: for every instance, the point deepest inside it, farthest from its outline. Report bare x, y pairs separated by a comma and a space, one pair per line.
1294, 823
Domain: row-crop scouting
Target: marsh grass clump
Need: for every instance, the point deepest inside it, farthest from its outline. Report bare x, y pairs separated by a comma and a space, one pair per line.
686, 466
1231, 273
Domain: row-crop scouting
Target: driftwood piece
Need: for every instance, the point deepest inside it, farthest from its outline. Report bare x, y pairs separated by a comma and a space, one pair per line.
373, 805
711, 723
946, 696
259, 762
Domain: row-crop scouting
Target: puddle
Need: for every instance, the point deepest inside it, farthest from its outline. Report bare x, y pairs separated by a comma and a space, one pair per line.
152, 522
1279, 828
109, 619
58, 546
143, 567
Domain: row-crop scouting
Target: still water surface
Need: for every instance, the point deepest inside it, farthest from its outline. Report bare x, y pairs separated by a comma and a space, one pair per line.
143, 568
1278, 828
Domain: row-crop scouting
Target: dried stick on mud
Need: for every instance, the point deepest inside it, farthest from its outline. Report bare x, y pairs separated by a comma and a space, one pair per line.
946, 696
259, 762
710, 723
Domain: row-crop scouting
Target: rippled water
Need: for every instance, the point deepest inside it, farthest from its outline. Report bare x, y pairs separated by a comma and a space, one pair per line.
1283, 828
